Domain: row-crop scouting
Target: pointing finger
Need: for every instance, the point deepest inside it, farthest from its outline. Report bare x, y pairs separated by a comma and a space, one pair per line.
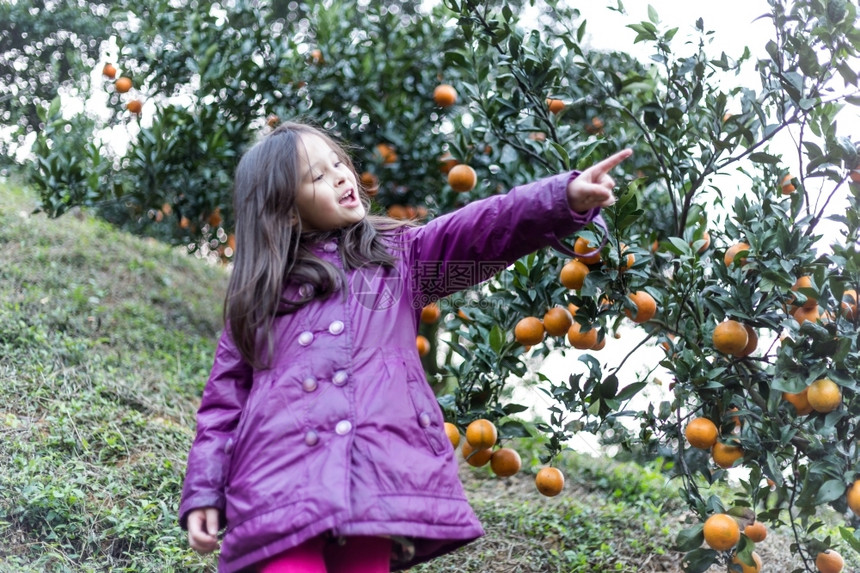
612, 161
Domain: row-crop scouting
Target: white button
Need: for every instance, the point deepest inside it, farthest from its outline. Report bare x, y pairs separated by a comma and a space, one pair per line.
339, 378
336, 327
343, 427
306, 338
309, 384
424, 419
330, 247
311, 438
306, 289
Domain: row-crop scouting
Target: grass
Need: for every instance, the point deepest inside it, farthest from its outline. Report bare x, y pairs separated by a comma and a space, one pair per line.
106, 341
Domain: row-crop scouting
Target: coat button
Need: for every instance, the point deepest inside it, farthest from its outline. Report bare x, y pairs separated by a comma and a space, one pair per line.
330, 247
311, 438
336, 327
306, 338
343, 427
228, 447
306, 290
309, 384
339, 378
424, 419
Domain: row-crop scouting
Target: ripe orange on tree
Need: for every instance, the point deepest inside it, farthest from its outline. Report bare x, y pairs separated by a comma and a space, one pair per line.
430, 313
748, 568
786, 185
829, 562
529, 331
725, 455
386, 152
369, 181
481, 434
134, 106
730, 337
800, 401
721, 532
122, 84
445, 95
824, 395
701, 433
215, 217
423, 345
756, 531
549, 481
849, 304
505, 462
446, 163
601, 343
583, 340
554, 105
732, 251
855, 175
706, 237
802, 314
805, 282
594, 126
752, 342
316, 56
476, 457
462, 178
646, 307
453, 434
852, 497
626, 262
109, 71
557, 321
573, 274
582, 246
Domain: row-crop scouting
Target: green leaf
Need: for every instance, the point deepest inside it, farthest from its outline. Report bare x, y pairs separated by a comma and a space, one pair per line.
761, 157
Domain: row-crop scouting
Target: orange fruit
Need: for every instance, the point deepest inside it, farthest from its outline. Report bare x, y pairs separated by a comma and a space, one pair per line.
215, 217
557, 321
734, 250
445, 95
475, 457
184, 222
554, 105
786, 185
749, 568
453, 434
272, 120
725, 455
626, 262
752, 342
573, 274
730, 337
386, 152
430, 313
122, 84
231, 241
462, 178
446, 163
423, 345
805, 282
802, 314
481, 434
701, 433
800, 401
317, 56
582, 245
549, 481
829, 562
369, 180
109, 70
134, 106
505, 462
852, 497
706, 237
646, 307
824, 395
756, 531
601, 343
855, 175
529, 331
579, 339
572, 308
721, 532
594, 126
849, 304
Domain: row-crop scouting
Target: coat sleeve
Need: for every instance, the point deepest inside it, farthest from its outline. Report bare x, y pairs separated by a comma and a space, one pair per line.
467, 246
217, 419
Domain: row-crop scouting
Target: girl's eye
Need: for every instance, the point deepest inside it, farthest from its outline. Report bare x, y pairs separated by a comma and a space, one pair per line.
318, 177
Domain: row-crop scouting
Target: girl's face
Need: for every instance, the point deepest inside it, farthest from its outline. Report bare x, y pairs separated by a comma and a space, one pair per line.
328, 192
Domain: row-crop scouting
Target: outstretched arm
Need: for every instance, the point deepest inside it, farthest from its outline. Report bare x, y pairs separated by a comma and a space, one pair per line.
593, 187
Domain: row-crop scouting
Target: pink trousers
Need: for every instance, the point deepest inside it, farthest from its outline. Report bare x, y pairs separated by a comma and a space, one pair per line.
321, 555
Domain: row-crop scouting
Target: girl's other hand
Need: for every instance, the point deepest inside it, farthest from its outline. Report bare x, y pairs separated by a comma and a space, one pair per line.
593, 187
203, 529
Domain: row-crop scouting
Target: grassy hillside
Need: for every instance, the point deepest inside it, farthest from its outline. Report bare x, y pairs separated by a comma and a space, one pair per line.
106, 341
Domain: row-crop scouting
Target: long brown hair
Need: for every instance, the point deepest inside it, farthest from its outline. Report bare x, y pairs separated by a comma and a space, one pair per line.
271, 248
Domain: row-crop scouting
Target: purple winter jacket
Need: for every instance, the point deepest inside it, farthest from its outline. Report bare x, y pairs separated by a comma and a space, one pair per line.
342, 434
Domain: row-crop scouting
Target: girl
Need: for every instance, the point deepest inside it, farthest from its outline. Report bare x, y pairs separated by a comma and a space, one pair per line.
319, 444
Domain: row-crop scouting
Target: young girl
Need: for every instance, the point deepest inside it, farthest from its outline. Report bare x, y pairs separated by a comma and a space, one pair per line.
320, 446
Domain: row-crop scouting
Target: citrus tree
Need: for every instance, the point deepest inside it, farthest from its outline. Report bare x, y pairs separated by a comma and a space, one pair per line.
755, 312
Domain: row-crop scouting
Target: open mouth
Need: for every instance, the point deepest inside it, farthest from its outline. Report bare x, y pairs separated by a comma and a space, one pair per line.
349, 197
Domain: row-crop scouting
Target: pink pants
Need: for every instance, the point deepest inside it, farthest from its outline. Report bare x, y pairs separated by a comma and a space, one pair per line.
359, 554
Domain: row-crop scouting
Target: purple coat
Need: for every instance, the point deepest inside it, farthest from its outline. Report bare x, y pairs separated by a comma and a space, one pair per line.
343, 434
